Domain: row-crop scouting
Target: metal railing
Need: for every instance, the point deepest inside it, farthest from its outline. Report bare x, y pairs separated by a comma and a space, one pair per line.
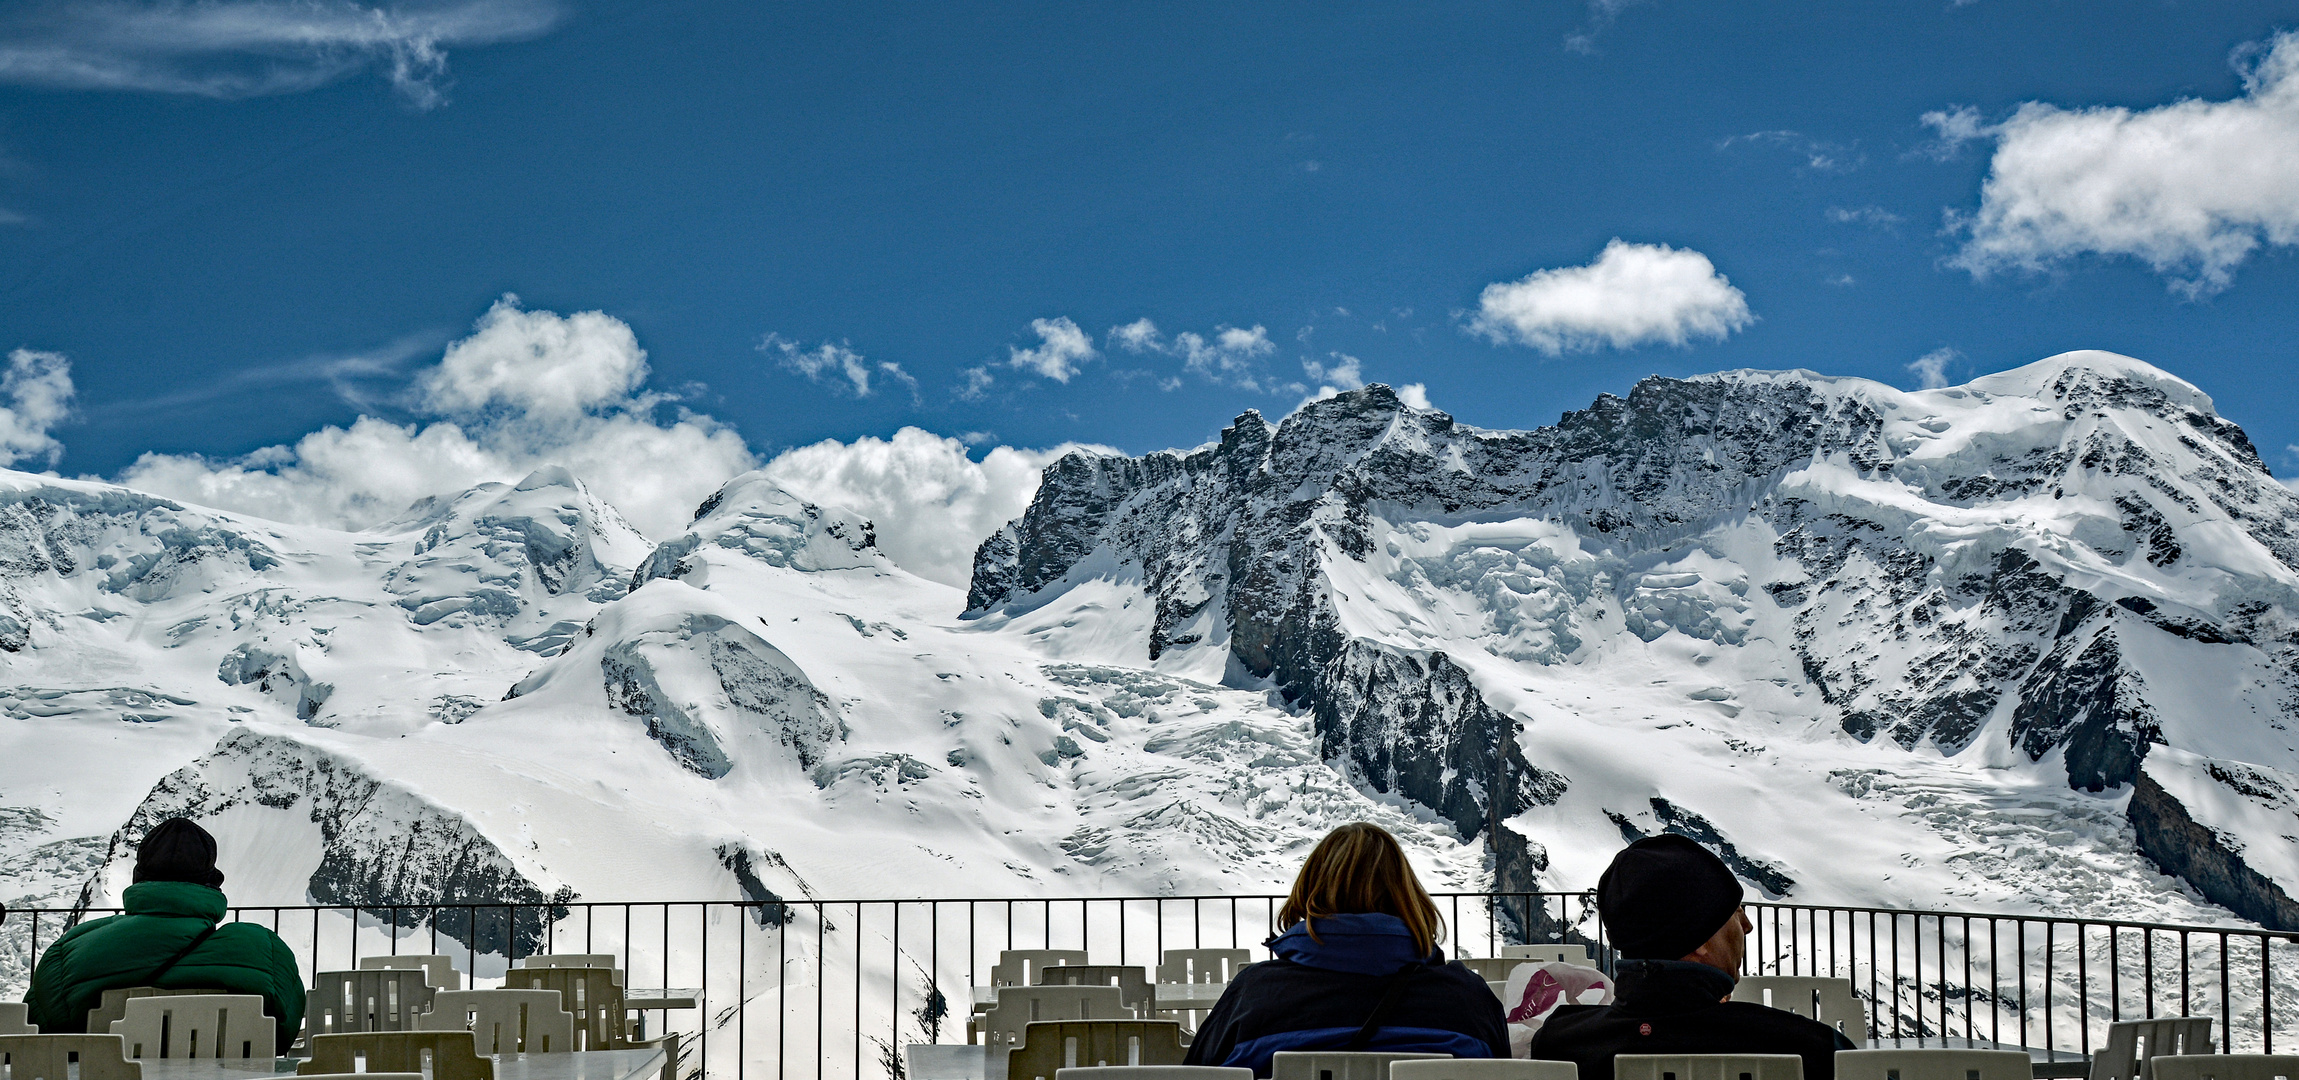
836, 988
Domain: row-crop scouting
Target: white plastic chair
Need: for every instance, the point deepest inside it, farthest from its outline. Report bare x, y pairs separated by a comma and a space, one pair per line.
1053, 1047
1708, 1067
60, 1057
1549, 954
2224, 1067
2130, 1043
1003, 1028
1492, 968
347, 1001
1931, 1063
16, 1019
581, 960
361, 1076
1484, 1069
1201, 965
1337, 1064
1830, 1001
1019, 967
440, 969
231, 1027
1132, 982
504, 1021
1153, 1072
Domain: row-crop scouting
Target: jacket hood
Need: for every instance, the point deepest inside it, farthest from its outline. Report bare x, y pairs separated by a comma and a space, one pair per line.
174, 898
1362, 944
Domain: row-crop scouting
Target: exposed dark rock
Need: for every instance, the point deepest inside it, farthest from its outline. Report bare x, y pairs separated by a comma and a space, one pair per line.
2204, 857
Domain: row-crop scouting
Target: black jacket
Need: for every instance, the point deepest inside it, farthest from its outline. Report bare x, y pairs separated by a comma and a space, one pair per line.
1317, 994
1674, 1007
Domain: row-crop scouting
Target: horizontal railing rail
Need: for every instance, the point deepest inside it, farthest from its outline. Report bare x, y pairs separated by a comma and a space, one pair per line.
836, 988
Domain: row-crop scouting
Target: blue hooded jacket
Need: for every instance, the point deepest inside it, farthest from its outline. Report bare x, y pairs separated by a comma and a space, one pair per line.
1319, 991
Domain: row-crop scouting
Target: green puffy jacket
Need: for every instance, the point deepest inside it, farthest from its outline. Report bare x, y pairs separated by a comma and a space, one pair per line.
163, 917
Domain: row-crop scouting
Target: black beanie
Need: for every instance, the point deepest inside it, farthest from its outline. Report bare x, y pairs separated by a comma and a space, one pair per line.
1665, 896
178, 850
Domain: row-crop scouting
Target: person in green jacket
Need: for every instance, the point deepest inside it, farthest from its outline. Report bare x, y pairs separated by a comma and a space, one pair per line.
172, 936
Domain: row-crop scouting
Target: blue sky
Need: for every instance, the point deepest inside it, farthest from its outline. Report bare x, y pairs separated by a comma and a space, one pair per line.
243, 221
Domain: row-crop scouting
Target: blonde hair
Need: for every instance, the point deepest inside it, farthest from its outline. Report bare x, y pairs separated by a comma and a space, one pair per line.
1360, 869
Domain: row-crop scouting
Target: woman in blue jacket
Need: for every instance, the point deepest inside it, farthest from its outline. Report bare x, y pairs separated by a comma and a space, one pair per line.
1357, 968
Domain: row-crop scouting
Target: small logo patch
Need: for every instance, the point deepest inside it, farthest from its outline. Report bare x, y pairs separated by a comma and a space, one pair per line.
1644, 1029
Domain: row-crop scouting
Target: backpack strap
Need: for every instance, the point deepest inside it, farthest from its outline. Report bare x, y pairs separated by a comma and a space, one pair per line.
1396, 987
153, 979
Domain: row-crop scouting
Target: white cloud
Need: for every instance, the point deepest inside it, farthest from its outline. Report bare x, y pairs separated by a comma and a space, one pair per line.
1415, 395
1346, 372
1232, 356
1061, 348
978, 382
525, 389
1932, 367
834, 360
1633, 294
1602, 14
1957, 125
1818, 156
2191, 188
249, 48
1864, 215
38, 386
1137, 337
932, 504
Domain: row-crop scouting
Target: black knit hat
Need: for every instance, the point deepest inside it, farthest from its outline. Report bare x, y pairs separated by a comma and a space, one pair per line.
1665, 896
178, 850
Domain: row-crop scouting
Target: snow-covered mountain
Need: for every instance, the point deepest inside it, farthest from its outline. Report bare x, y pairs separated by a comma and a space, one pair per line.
2032, 642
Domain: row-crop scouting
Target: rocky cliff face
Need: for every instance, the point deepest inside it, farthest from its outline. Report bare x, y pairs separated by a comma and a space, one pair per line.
2003, 560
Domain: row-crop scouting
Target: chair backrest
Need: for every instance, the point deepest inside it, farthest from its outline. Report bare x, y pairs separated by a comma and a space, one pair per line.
593, 995
941, 1061
1548, 954
441, 969
345, 1001
1132, 982
1201, 965
581, 960
16, 1019
2130, 1043
1830, 1001
363, 1076
1337, 1064
440, 1055
1935, 1064
113, 1006
1708, 1067
1019, 967
504, 1021
1485, 1069
1067, 1044
60, 1057
1153, 1072
1018, 1007
1492, 969
227, 1026
2224, 1067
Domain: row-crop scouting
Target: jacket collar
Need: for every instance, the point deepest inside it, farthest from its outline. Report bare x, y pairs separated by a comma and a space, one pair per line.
1363, 944
1659, 987
174, 898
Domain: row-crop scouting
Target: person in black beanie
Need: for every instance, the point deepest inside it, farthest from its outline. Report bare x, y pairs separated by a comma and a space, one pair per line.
1672, 908
171, 934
